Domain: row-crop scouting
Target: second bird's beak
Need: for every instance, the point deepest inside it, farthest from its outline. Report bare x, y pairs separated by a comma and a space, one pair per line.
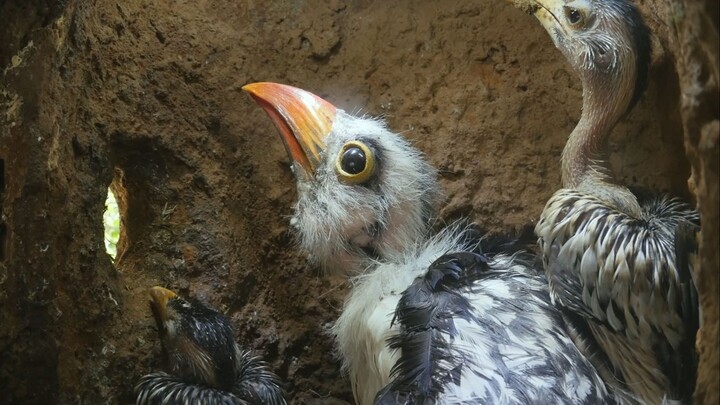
159, 298
546, 11
303, 119
541, 10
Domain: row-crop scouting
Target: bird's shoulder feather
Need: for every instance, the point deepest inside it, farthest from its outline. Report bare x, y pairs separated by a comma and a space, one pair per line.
480, 327
629, 274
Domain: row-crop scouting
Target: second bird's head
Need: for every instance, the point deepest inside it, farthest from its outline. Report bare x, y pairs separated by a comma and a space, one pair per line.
605, 41
364, 192
199, 342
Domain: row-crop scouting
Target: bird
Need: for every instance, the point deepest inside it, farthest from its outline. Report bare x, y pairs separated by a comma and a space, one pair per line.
619, 262
204, 363
433, 317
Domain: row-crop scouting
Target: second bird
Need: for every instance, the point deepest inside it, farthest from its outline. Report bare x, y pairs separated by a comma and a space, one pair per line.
619, 266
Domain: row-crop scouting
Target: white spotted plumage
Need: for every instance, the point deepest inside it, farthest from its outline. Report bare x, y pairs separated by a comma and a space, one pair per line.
509, 358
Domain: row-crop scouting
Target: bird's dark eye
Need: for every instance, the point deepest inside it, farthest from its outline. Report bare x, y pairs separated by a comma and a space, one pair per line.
574, 16
355, 163
353, 160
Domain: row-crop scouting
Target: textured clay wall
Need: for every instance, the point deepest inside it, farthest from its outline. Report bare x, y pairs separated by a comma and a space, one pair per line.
145, 96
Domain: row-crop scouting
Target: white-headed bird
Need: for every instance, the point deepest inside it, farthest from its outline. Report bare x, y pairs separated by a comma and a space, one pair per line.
204, 364
619, 266
449, 318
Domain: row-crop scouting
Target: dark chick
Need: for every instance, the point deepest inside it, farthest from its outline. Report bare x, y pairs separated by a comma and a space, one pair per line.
204, 364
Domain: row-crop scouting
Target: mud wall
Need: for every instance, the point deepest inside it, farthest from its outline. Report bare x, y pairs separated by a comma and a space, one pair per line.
144, 96
694, 33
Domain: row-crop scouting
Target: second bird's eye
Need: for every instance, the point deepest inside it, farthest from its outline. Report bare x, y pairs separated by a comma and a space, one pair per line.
353, 160
573, 15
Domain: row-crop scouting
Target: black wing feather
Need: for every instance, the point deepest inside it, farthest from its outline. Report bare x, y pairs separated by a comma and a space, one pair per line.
426, 313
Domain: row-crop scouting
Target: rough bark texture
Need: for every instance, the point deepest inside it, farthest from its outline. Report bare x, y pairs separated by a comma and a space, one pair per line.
144, 96
695, 29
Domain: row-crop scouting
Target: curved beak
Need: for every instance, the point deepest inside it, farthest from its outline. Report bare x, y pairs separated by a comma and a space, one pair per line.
159, 298
543, 12
303, 119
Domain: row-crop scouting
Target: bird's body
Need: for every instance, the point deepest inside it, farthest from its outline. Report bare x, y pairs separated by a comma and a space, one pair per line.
254, 385
204, 363
623, 275
449, 318
473, 326
619, 266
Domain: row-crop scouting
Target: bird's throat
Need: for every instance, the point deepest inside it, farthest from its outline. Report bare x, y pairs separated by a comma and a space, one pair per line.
584, 162
584, 157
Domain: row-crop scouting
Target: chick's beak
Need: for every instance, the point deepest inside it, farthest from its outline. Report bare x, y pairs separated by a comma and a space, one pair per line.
303, 119
159, 298
547, 18
541, 9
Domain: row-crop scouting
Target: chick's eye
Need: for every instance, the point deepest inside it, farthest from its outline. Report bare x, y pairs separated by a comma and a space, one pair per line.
355, 163
573, 15
353, 160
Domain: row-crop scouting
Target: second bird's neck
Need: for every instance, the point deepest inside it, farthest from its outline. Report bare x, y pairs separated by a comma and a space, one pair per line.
584, 161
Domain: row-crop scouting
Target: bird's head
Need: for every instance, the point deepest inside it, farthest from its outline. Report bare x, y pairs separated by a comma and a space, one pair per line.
198, 342
606, 42
364, 192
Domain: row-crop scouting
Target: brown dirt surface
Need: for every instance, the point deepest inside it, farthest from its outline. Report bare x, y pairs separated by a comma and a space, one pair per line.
146, 96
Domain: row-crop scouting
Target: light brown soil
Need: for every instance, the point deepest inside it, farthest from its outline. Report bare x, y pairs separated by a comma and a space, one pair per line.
147, 93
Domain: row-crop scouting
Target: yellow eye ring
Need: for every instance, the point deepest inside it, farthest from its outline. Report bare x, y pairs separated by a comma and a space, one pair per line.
355, 163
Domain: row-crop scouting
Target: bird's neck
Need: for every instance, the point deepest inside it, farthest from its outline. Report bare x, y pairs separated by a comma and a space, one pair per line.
606, 97
408, 227
584, 163
361, 248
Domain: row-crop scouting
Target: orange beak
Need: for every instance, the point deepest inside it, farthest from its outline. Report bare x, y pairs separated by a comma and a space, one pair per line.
303, 119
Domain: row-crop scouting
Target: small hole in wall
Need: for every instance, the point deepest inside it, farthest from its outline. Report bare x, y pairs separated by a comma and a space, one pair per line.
113, 217
111, 221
